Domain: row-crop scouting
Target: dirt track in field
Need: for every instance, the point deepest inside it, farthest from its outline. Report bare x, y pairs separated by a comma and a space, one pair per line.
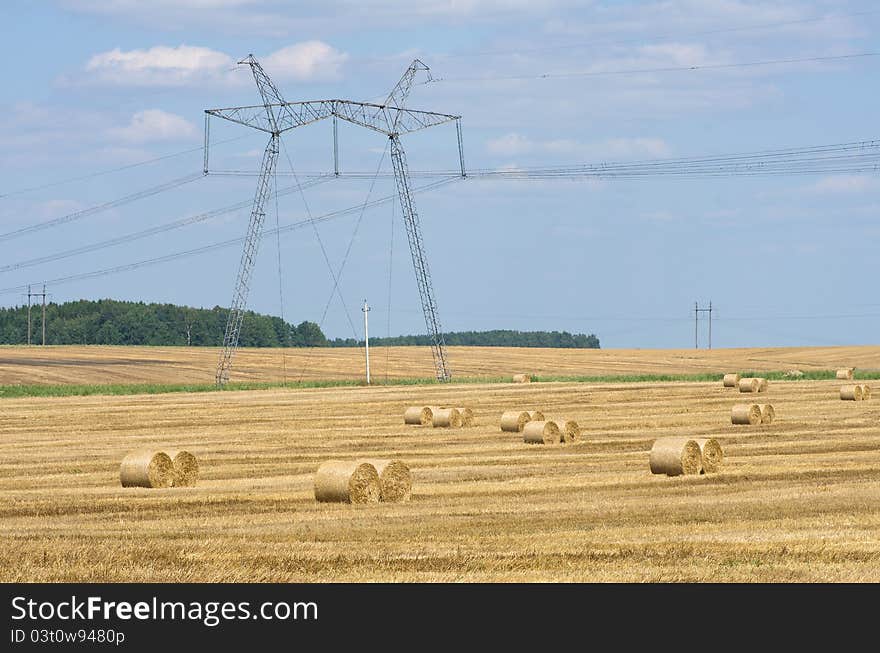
798, 500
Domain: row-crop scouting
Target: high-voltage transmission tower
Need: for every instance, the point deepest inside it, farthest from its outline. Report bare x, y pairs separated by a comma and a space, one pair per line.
275, 116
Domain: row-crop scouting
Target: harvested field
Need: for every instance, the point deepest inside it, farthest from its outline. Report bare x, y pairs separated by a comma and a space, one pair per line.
105, 364
798, 500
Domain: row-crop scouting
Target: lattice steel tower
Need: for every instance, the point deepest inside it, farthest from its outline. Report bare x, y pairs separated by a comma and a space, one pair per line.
275, 116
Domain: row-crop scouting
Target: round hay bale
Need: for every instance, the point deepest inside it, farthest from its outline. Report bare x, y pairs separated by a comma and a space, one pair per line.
543, 432
522, 378
730, 380
851, 392
420, 415
568, 429
768, 414
347, 482
395, 480
749, 385
467, 416
745, 414
674, 456
514, 420
186, 468
763, 384
447, 417
845, 374
146, 468
711, 455
866, 391
536, 415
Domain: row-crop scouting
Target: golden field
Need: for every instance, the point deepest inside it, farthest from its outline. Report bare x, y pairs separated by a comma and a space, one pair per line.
798, 500
96, 364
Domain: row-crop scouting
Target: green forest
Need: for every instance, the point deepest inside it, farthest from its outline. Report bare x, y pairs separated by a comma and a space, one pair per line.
112, 322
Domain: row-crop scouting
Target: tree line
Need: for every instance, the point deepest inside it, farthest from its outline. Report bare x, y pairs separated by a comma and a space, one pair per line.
112, 322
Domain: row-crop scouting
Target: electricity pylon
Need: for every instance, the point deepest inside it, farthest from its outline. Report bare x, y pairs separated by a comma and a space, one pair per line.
275, 116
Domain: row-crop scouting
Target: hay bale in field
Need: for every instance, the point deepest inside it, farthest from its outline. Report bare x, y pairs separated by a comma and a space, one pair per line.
866, 391
730, 380
768, 414
395, 480
536, 415
341, 481
186, 468
522, 378
421, 415
146, 468
568, 429
711, 455
675, 456
851, 392
794, 374
541, 432
447, 417
749, 384
514, 420
467, 416
845, 374
745, 414
763, 384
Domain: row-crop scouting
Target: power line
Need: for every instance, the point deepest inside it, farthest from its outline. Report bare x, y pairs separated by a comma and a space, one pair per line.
101, 173
226, 243
84, 213
152, 231
663, 69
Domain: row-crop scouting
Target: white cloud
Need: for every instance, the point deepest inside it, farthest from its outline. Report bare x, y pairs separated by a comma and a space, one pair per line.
844, 184
305, 61
181, 65
160, 65
514, 144
154, 125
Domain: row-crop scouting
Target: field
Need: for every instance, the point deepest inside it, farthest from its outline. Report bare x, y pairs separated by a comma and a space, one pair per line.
798, 500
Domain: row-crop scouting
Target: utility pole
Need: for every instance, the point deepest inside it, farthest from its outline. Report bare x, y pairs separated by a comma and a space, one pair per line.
697, 311
29, 316
366, 310
44, 314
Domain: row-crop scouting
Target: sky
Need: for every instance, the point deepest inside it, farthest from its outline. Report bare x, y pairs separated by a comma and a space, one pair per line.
103, 99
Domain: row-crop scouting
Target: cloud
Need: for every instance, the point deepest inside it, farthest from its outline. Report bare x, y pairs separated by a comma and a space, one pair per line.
181, 65
305, 61
154, 125
844, 184
514, 144
159, 66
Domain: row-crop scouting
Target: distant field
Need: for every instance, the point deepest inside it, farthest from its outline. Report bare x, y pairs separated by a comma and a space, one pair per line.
798, 500
115, 365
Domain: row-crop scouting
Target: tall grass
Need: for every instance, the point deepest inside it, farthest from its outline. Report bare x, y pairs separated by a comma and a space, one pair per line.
76, 390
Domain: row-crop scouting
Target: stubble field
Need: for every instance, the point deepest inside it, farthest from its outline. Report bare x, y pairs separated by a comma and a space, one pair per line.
797, 500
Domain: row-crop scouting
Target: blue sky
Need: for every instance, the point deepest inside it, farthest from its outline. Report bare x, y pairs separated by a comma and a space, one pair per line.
96, 85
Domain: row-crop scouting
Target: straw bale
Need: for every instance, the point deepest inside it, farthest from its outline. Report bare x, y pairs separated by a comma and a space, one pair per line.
395, 480
749, 385
745, 414
730, 380
522, 378
514, 420
447, 417
146, 468
347, 482
851, 392
543, 432
186, 468
768, 414
674, 456
711, 454
845, 374
420, 415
